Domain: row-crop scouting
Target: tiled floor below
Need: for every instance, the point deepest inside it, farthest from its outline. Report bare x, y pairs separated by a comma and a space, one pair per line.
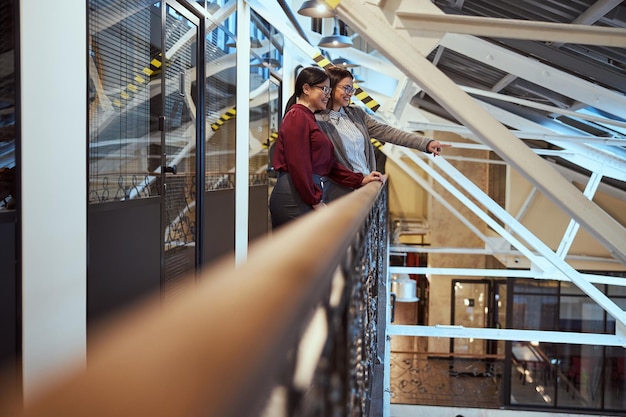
417, 379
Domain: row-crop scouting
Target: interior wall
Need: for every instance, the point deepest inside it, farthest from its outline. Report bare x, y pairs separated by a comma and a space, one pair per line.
445, 230
54, 190
407, 200
548, 222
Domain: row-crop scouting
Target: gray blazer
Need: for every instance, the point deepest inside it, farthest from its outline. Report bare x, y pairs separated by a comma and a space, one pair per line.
370, 129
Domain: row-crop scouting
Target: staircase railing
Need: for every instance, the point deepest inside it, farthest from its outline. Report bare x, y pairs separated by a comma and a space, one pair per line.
296, 330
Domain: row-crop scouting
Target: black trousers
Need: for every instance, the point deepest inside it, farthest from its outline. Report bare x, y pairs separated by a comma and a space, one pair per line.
285, 202
333, 191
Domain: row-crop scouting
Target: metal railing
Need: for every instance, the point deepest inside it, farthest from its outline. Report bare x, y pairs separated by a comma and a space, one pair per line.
303, 316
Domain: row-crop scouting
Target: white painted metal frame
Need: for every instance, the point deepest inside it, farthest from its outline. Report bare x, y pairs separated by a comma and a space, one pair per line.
400, 49
422, 23
562, 267
549, 261
507, 334
363, 17
242, 158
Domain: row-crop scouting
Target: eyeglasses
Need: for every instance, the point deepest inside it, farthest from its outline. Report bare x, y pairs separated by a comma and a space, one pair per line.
347, 88
325, 89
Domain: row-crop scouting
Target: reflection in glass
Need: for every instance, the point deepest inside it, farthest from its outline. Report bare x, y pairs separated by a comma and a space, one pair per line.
560, 375
470, 310
220, 102
124, 101
533, 373
615, 378
8, 180
180, 139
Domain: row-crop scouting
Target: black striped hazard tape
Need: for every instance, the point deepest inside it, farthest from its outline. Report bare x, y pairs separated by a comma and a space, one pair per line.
224, 118
139, 80
270, 140
365, 98
359, 93
377, 144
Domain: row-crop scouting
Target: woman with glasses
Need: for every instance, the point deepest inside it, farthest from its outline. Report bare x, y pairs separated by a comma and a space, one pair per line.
350, 129
303, 154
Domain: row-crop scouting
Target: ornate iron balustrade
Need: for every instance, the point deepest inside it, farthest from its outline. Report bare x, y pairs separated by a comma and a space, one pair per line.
220, 348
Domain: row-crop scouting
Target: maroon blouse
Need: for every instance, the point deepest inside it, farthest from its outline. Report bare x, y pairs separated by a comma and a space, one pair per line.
302, 149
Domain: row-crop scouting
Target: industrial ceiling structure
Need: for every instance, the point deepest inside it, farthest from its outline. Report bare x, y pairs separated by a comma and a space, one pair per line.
539, 83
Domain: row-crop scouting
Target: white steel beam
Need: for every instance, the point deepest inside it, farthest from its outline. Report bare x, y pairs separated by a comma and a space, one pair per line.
577, 149
544, 107
573, 226
544, 336
593, 14
394, 153
526, 204
503, 273
551, 262
536, 72
242, 123
548, 261
396, 158
596, 11
370, 21
419, 24
520, 134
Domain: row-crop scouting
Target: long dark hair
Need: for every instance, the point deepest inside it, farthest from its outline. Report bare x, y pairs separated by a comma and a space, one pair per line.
335, 75
310, 76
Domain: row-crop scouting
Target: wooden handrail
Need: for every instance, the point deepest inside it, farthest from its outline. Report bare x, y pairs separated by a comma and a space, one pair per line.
217, 349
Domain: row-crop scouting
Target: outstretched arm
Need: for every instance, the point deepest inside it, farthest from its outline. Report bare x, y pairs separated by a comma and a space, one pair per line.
435, 147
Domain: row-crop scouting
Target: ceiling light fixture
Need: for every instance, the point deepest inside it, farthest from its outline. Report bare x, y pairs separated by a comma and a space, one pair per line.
315, 8
344, 63
335, 40
254, 43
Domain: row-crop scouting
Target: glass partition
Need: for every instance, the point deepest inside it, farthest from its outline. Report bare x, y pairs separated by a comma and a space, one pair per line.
221, 95
124, 101
565, 376
8, 180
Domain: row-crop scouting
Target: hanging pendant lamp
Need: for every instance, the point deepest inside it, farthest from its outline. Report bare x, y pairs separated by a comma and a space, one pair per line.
344, 63
254, 43
315, 8
335, 40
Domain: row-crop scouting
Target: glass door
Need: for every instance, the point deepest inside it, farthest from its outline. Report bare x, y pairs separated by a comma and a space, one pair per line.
179, 138
469, 309
478, 304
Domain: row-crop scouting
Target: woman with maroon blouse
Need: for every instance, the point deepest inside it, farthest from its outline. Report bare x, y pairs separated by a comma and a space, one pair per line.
303, 154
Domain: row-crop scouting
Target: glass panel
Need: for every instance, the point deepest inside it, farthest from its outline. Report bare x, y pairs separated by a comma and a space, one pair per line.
500, 303
264, 105
617, 291
610, 320
615, 379
8, 180
124, 69
533, 373
181, 91
266, 63
571, 288
581, 314
536, 287
470, 310
534, 312
580, 382
220, 101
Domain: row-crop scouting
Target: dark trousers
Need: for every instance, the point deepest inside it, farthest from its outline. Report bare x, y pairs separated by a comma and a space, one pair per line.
333, 191
285, 202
